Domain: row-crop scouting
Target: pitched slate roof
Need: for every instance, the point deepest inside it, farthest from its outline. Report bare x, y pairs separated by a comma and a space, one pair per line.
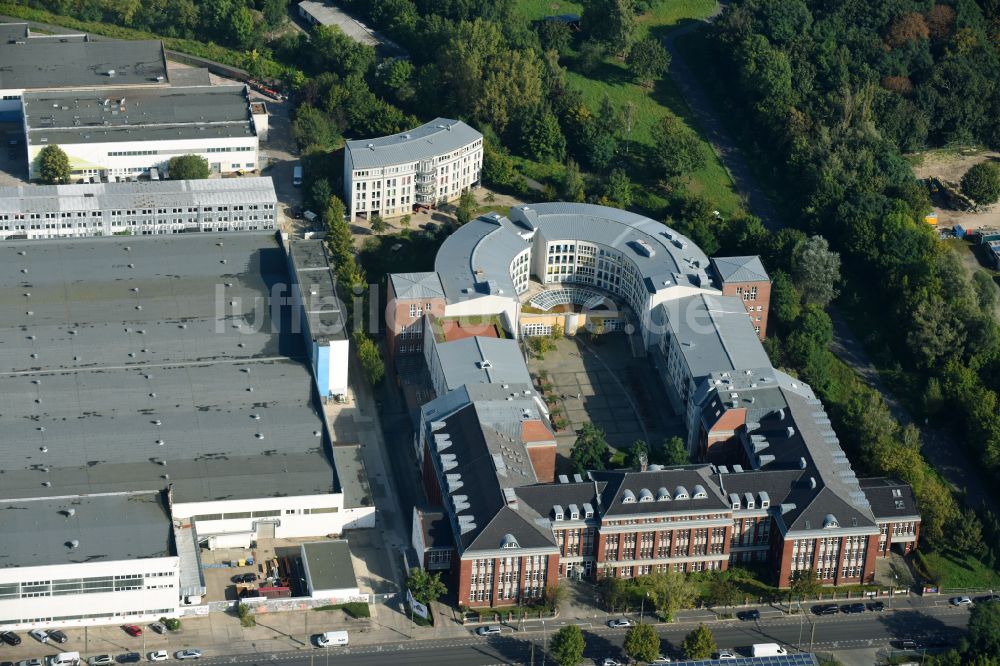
889, 498
623, 485
416, 285
740, 269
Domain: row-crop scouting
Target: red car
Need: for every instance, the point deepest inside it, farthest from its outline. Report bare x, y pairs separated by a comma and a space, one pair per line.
132, 630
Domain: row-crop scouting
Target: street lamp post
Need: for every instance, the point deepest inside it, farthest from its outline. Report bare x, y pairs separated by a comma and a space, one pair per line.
545, 642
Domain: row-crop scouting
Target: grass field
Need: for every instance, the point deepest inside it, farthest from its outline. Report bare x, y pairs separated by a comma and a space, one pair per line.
533, 10
962, 571
671, 13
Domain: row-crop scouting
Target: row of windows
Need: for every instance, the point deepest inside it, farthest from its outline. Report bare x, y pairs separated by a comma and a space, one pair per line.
68, 586
238, 515
90, 616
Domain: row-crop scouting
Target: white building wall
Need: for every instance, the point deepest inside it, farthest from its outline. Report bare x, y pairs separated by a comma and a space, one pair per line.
484, 306
339, 360
156, 596
293, 517
127, 158
391, 191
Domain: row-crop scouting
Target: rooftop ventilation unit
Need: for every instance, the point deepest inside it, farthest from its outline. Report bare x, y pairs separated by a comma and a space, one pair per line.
655, 468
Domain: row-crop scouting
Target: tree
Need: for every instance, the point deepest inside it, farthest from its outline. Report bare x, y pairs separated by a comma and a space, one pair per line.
590, 56
567, 645
275, 13
613, 592
318, 195
723, 593
816, 270
674, 451
426, 587
671, 591
984, 629
466, 205
642, 643
554, 36
638, 454
699, 644
379, 225
242, 28
612, 22
405, 221
370, 357
786, 301
805, 584
590, 451
333, 214
333, 51
188, 167
617, 190
313, 129
498, 167
53, 165
541, 136
572, 183
677, 151
981, 183
648, 60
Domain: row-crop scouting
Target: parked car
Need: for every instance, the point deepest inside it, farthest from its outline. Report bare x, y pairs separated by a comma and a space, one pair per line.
489, 630
10, 638
826, 609
159, 655
853, 608
58, 636
960, 601
659, 661
608, 661
158, 627
908, 644
101, 660
619, 623
6, 663
190, 653
725, 654
876, 606
39, 635
132, 629
30, 662
129, 658
249, 577
749, 615
987, 598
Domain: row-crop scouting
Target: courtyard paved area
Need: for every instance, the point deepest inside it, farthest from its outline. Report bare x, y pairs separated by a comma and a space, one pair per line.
606, 384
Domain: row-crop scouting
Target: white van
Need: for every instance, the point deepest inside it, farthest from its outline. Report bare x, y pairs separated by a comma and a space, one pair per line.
65, 659
332, 639
768, 650
154, 173
297, 176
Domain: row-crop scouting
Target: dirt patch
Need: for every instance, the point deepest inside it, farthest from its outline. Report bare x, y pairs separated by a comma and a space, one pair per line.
950, 165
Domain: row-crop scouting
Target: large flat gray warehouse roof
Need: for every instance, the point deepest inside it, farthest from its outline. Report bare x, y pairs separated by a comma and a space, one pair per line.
141, 362
330, 565
128, 114
138, 195
70, 61
69, 530
438, 137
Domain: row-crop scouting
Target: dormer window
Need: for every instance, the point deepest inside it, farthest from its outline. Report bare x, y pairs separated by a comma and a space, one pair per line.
645, 495
628, 497
509, 541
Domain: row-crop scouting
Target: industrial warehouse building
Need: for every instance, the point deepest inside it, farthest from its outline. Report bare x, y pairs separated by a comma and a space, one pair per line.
156, 403
78, 62
125, 132
139, 208
427, 166
772, 484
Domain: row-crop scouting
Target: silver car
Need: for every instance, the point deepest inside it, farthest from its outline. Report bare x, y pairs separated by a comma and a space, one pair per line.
101, 660
190, 653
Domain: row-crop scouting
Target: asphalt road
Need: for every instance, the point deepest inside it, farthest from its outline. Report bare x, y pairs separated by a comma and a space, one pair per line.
512, 647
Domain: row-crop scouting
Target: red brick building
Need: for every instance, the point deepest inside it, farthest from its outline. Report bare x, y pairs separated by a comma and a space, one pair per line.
745, 278
410, 296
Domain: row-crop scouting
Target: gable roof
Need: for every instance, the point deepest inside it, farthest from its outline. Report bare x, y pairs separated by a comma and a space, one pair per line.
740, 269
413, 286
623, 485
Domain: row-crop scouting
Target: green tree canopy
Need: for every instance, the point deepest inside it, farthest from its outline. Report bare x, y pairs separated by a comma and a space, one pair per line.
590, 451
671, 592
188, 167
53, 165
572, 183
699, 644
724, 593
642, 643
805, 584
426, 587
313, 129
677, 152
984, 629
466, 206
786, 301
612, 22
379, 225
648, 60
370, 357
617, 190
816, 270
981, 183
673, 451
566, 646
